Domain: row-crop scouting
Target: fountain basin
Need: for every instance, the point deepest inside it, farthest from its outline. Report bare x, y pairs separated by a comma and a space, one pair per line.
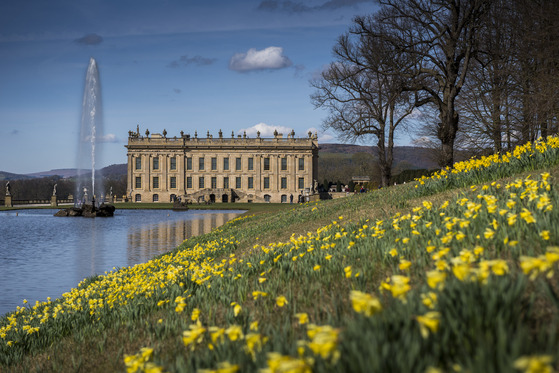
88, 211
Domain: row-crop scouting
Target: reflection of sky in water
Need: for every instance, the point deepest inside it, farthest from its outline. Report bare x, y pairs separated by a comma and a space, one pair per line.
42, 256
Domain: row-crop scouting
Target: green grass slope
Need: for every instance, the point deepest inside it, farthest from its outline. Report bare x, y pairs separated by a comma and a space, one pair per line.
453, 273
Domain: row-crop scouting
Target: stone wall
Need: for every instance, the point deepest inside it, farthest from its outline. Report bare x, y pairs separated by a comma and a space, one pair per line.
220, 169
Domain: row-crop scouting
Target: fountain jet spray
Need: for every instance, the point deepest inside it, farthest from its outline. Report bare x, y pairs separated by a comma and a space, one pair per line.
91, 132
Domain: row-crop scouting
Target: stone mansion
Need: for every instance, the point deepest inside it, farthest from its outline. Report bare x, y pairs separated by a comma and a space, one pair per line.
222, 169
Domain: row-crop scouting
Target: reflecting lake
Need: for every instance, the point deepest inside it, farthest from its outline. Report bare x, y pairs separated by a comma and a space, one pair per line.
44, 256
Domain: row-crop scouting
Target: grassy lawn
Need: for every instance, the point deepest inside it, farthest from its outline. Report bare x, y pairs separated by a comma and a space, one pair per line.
456, 274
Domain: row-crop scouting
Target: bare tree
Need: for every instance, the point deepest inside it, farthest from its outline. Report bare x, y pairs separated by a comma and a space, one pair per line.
439, 38
512, 94
486, 98
362, 91
537, 73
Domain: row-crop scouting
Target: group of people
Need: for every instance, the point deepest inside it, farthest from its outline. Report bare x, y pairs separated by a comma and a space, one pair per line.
300, 198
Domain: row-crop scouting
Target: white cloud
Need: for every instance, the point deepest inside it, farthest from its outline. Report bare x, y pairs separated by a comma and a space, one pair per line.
269, 58
417, 114
109, 137
423, 142
265, 130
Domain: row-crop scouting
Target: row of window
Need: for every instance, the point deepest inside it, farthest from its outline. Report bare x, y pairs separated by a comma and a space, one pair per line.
213, 165
267, 198
213, 182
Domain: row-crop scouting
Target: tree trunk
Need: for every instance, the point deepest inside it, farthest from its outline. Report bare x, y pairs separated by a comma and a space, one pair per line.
384, 161
496, 122
447, 135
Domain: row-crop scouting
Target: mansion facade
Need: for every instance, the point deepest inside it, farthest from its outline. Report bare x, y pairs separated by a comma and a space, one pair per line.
243, 169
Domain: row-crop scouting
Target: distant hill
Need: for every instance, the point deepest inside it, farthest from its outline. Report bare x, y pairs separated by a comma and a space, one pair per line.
115, 170
9, 176
62, 172
112, 170
416, 157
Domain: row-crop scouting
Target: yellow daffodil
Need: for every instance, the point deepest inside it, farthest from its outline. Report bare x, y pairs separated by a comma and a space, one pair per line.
324, 341
364, 303
428, 323
256, 294
489, 233
281, 301
234, 332
254, 342
193, 336
436, 279
195, 314
278, 363
236, 308
180, 301
254, 325
404, 264
429, 299
534, 364
534, 266
224, 367
302, 318
527, 216
397, 285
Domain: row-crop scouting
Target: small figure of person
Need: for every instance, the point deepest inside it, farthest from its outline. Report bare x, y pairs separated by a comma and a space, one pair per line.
54, 190
8, 189
291, 198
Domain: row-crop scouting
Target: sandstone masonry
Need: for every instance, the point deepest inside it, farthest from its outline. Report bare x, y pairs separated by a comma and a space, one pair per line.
233, 169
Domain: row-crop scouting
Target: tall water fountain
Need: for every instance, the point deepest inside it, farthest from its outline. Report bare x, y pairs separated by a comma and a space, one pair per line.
88, 191
91, 132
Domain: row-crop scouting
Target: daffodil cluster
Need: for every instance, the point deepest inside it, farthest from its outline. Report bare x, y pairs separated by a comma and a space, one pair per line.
347, 295
530, 156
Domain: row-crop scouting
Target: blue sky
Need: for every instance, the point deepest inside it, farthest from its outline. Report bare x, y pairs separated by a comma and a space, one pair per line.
168, 64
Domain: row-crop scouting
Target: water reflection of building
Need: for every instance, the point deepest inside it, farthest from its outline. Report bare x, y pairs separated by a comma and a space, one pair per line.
148, 241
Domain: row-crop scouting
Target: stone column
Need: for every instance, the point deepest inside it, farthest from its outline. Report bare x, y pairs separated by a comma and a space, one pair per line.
258, 180
274, 167
181, 168
147, 187
164, 187
308, 174
294, 173
131, 168
53, 201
